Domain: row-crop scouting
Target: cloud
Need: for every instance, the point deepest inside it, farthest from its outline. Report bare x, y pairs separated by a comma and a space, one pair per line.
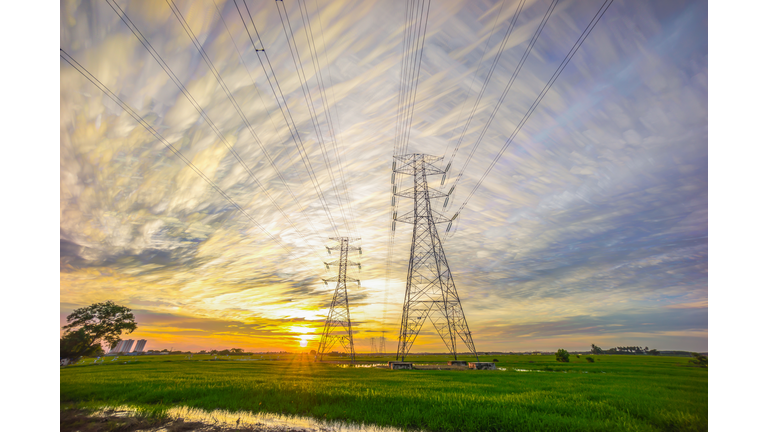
599, 206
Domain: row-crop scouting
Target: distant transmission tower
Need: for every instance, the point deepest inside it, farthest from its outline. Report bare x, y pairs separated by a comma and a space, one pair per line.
338, 327
430, 293
377, 345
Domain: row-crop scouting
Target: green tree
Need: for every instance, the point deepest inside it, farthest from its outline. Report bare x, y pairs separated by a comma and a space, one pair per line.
97, 324
654, 352
76, 344
236, 350
596, 349
561, 355
700, 360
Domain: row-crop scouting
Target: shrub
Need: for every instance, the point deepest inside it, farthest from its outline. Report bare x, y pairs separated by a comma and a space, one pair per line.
495, 360
590, 360
578, 355
700, 360
562, 355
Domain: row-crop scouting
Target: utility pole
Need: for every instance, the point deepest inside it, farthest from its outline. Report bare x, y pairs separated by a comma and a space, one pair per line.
430, 293
338, 326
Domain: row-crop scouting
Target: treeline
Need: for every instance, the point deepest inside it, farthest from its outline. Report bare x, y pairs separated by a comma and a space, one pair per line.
630, 350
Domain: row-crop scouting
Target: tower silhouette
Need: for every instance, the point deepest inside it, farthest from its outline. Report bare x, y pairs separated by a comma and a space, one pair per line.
430, 293
338, 326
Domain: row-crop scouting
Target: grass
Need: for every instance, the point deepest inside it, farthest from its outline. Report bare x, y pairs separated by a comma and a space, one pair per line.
627, 393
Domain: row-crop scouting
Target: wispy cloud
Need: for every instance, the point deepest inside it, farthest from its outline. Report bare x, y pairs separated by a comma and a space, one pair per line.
593, 223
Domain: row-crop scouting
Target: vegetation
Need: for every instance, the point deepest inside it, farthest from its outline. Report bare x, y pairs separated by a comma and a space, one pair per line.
76, 343
628, 350
636, 393
596, 349
699, 360
590, 359
91, 326
561, 355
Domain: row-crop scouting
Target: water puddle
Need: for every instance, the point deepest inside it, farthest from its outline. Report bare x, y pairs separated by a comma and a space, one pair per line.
361, 365
244, 419
535, 370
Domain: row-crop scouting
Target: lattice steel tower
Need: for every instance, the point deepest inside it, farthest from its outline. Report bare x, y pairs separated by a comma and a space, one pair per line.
429, 292
338, 327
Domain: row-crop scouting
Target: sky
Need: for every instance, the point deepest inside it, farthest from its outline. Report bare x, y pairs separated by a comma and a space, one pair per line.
592, 227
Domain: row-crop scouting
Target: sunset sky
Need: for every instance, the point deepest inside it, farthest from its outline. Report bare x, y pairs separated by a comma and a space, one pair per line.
592, 227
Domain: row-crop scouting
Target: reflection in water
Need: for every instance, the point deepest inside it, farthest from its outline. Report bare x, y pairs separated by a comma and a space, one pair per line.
364, 365
534, 370
245, 419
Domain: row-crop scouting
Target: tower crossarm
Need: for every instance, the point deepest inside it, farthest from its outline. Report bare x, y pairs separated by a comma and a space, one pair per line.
411, 193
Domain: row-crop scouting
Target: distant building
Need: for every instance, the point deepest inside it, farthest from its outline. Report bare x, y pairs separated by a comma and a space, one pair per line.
118, 348
127, 345
140, 345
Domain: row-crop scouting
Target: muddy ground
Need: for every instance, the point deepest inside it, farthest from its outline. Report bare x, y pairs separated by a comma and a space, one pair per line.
73, 420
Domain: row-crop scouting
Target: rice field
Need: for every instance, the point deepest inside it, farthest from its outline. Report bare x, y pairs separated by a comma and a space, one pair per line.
531, 393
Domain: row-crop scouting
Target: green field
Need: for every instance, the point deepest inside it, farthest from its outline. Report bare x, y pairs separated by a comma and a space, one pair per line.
623, 393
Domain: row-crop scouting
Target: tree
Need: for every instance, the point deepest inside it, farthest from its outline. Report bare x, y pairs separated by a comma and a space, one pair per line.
596, 349
97, 324
76, 344
561, 355
236, 350
700, 360
654, 352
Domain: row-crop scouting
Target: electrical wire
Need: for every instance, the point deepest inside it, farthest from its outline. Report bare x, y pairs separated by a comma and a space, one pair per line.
180, 85
519, 67
286, 112
95, 81
603, 8
477, 70
289, 36
247, 123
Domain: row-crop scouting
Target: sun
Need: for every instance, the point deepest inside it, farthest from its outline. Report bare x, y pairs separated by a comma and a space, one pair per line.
303, 343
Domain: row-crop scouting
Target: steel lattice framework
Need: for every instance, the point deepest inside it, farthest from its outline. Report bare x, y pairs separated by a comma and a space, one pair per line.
430, 293
338, 326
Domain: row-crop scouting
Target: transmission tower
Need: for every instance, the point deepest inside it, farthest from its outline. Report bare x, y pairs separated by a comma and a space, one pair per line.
338, 327
430, 293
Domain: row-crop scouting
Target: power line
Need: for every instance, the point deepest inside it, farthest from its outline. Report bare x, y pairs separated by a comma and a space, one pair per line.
242, 115
83, 71
477, 70
519, 67
405, 112
294, 131
308, 99
603, 8
324, 99
487, 80
315, 57
335, 107
148, 46
242, 62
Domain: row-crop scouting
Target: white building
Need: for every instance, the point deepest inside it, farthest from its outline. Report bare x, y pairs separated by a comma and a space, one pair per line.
140, 345
125, 346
